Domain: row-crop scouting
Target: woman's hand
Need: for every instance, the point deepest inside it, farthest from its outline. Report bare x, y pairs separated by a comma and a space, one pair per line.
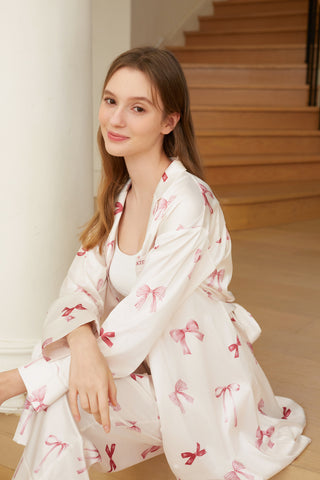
90, 377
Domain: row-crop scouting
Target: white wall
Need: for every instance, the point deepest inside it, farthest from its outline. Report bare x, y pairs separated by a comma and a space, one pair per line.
111, 31
46, 159
160, 23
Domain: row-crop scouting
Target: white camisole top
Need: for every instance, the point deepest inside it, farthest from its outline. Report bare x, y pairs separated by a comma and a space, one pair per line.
122, 271
122, 275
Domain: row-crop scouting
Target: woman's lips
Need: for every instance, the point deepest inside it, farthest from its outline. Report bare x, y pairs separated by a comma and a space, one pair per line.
115, 137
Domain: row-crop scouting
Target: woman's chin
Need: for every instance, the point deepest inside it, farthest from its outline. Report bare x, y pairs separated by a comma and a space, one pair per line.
114, 150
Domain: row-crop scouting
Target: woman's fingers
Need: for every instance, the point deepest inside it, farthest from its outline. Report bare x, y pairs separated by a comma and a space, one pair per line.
104, 410
97, 418
112, 392
72, 396
84, 401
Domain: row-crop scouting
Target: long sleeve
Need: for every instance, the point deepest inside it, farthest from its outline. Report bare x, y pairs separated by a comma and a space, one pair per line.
80, 301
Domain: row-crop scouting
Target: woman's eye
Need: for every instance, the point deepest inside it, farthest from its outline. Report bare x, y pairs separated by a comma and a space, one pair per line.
109, 100
138, 109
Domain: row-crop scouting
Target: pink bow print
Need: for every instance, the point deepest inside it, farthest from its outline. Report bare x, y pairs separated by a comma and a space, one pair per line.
222, 391
32, 362
192, 456
161, 207
27, 406
118, 208
53, 442
105, 337
110, 453
197, 258
66, 312
286, 412
179, 387
179, 335
132, 427
110, 247
83, 290
260, 434
206, 192
235, 346
37, 396
92, 454
237, 469
83, 469
152, 449
135, 376
81, 252
219, 275
145, 291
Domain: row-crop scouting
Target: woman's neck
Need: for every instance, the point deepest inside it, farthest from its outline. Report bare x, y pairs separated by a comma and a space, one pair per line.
145, 175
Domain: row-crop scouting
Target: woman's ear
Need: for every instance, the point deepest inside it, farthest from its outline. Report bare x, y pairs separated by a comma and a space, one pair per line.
170, 122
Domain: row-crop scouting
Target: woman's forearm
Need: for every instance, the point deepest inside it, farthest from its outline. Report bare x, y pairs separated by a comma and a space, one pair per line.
11, 384
80, 337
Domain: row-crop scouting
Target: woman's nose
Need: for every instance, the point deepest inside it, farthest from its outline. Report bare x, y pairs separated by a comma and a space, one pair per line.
117, 117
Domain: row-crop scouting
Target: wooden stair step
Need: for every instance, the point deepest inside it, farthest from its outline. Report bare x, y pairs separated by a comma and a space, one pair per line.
270, 191
261, 172
293, 74
258, 141
271, 36
229, 23
246, 95
241, 54
231, 117
258, 159
255, 205
235, 2
269, 6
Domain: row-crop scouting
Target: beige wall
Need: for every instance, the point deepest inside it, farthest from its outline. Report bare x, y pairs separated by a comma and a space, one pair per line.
111, 31
46, 161
158, 23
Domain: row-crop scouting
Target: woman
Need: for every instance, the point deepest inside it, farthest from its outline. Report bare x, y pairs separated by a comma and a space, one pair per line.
145, 350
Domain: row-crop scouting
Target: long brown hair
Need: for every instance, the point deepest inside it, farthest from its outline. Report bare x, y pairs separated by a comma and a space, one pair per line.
167, 78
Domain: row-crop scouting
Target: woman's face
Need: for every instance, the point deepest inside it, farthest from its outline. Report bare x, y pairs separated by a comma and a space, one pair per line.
132, 126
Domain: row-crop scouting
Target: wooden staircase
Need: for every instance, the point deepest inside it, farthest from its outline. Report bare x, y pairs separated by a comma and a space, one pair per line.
258, 138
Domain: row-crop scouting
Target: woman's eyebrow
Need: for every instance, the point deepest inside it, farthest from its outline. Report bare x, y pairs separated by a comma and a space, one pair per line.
143, 99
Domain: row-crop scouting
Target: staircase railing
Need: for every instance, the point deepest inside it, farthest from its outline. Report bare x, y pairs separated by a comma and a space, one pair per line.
313, 48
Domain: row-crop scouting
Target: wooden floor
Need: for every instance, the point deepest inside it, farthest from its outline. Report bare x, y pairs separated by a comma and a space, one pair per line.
276, 277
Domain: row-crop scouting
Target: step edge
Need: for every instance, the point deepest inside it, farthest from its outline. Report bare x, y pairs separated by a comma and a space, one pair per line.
197, 33
249, 86
250, 2
257, 133
257, 66
286, 160
237, 2
194, 48
208, 108
256, 15
267, 196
